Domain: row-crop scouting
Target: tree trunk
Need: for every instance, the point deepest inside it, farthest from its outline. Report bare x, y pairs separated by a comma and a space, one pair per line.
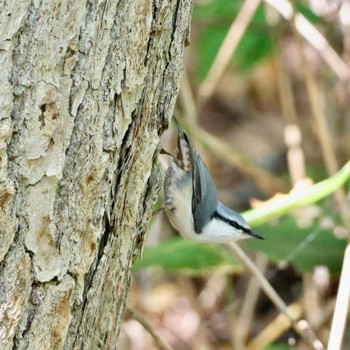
86, 89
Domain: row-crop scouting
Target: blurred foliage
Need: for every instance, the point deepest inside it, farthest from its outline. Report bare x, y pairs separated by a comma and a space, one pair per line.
299, 228
188, 257
308, 195
223, 9
304, 247
278, 347
307, 12
257, 44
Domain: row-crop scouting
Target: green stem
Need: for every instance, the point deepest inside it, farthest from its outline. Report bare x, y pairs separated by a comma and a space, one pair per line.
314, 193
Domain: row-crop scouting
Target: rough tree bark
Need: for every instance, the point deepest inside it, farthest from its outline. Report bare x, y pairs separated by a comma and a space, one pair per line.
86, 89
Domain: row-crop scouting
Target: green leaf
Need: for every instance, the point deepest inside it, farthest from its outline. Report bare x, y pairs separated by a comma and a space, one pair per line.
277, 347
217, 17
187, 256
303, 247
209, 44
255, 45
216, 9
307, 12
285, 238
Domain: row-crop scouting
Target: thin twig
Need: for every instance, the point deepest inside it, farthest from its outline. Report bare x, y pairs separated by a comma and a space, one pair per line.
285, 89
316, 103
240, 25
301, 326
341, 305
324, 136
227, 49
314, 37
275, 328
292, 134
246, 315
159, 340
267, 182
342, 70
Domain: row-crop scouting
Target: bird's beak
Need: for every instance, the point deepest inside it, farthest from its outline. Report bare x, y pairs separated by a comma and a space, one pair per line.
163, 151
252, 234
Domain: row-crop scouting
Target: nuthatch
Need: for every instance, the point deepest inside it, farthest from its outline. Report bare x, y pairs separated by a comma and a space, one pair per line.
191, 202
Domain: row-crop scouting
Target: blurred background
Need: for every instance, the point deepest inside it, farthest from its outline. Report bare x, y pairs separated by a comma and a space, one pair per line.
264, 97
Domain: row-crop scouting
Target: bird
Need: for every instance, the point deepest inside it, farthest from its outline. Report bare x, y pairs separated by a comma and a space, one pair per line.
191, 202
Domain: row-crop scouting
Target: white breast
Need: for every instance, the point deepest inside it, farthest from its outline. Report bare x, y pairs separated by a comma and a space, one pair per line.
217, 231
179, 209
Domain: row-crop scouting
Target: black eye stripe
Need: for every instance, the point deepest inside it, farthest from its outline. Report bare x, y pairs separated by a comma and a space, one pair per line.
232, 223
236, 225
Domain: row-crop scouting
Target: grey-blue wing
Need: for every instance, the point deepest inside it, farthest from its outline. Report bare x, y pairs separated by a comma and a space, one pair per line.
204, 198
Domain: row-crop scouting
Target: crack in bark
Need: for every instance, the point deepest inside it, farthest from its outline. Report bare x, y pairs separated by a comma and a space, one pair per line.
104, 239
151, 34
177, 5
97, 227
172, 36
123, 162
109, 224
